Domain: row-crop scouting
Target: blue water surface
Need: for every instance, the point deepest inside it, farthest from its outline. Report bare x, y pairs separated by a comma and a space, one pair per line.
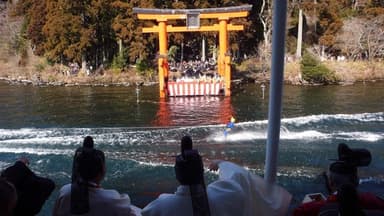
140, 135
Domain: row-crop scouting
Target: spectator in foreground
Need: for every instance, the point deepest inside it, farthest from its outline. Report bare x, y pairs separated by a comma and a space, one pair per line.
86, 196
343, 182
8, 198
79, 193
32, 190
186, 144
87, 144
236, 192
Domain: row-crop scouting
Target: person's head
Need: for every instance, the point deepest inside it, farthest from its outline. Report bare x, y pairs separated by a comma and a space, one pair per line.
186, 143
353, 156
189, 171
341, 173
88, 142
8, 197
91, 165
189, 168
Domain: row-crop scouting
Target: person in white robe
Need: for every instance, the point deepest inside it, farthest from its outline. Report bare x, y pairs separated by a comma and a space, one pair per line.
101, 202
85, 196
237, 192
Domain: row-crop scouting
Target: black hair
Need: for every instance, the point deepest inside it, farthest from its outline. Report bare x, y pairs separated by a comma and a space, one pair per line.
189, 168
90, 164
189, 171
348, 200
186, 144
344, 170
347, 203
354, 156
341, 173
88, 142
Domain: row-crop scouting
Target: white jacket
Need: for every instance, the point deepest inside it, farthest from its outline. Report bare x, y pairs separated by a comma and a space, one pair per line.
237, 192
102, 202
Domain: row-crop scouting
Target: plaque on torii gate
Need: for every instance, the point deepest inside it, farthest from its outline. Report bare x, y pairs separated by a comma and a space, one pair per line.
192, 18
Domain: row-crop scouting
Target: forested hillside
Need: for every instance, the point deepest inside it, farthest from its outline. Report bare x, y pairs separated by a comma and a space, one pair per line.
106, 33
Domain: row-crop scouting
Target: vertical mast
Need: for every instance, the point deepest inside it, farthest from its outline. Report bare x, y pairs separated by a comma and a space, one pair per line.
276, 88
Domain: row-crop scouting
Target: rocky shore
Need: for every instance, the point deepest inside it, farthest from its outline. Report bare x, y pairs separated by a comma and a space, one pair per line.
38, 73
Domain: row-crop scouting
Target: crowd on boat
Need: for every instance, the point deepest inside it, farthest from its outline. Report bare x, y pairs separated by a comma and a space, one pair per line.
190, 71
236, 191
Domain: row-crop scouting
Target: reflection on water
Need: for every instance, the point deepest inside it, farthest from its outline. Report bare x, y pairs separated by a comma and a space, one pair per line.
184, 111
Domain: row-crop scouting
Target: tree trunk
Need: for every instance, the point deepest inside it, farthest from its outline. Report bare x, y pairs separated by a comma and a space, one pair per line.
265, 16
120, 46
299, 35
83, 64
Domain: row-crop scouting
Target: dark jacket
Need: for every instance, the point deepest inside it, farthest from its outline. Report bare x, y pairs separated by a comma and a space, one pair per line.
32, 190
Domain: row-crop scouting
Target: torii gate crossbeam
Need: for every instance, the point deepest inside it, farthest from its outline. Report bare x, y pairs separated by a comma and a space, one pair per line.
223, 15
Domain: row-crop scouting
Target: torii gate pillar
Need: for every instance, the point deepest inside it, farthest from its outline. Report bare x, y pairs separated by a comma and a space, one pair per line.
224, 59
163, 61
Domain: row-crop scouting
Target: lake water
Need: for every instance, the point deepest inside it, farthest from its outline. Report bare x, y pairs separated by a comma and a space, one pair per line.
140, 134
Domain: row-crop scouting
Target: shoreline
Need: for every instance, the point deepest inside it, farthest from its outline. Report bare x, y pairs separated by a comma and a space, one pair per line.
98, 81
347, 73
26, 81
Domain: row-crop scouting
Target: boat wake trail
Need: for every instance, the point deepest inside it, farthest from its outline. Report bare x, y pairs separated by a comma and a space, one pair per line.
306, 145
354, 127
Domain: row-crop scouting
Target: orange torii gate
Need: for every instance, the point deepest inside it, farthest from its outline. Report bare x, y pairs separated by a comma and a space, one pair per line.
192, 17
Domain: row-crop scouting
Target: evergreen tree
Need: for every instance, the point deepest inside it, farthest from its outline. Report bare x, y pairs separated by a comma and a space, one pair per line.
104, 46
126, 26
91, 30
37, 19
329, 21
67, 39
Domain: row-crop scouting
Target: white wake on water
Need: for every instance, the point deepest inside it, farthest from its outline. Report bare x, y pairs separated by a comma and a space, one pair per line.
360, 117
37, 151
306, 128
296, 135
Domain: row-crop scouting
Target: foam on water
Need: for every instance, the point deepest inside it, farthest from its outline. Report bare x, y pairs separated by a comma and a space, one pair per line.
59, 140
153, 164
306, 135
36, 151
360, 135
312, 119
300, 135
245, 131
236, 136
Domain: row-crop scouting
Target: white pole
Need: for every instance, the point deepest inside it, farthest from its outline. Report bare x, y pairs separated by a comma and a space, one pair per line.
182, 52
203, 50
276, 88
299, 34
